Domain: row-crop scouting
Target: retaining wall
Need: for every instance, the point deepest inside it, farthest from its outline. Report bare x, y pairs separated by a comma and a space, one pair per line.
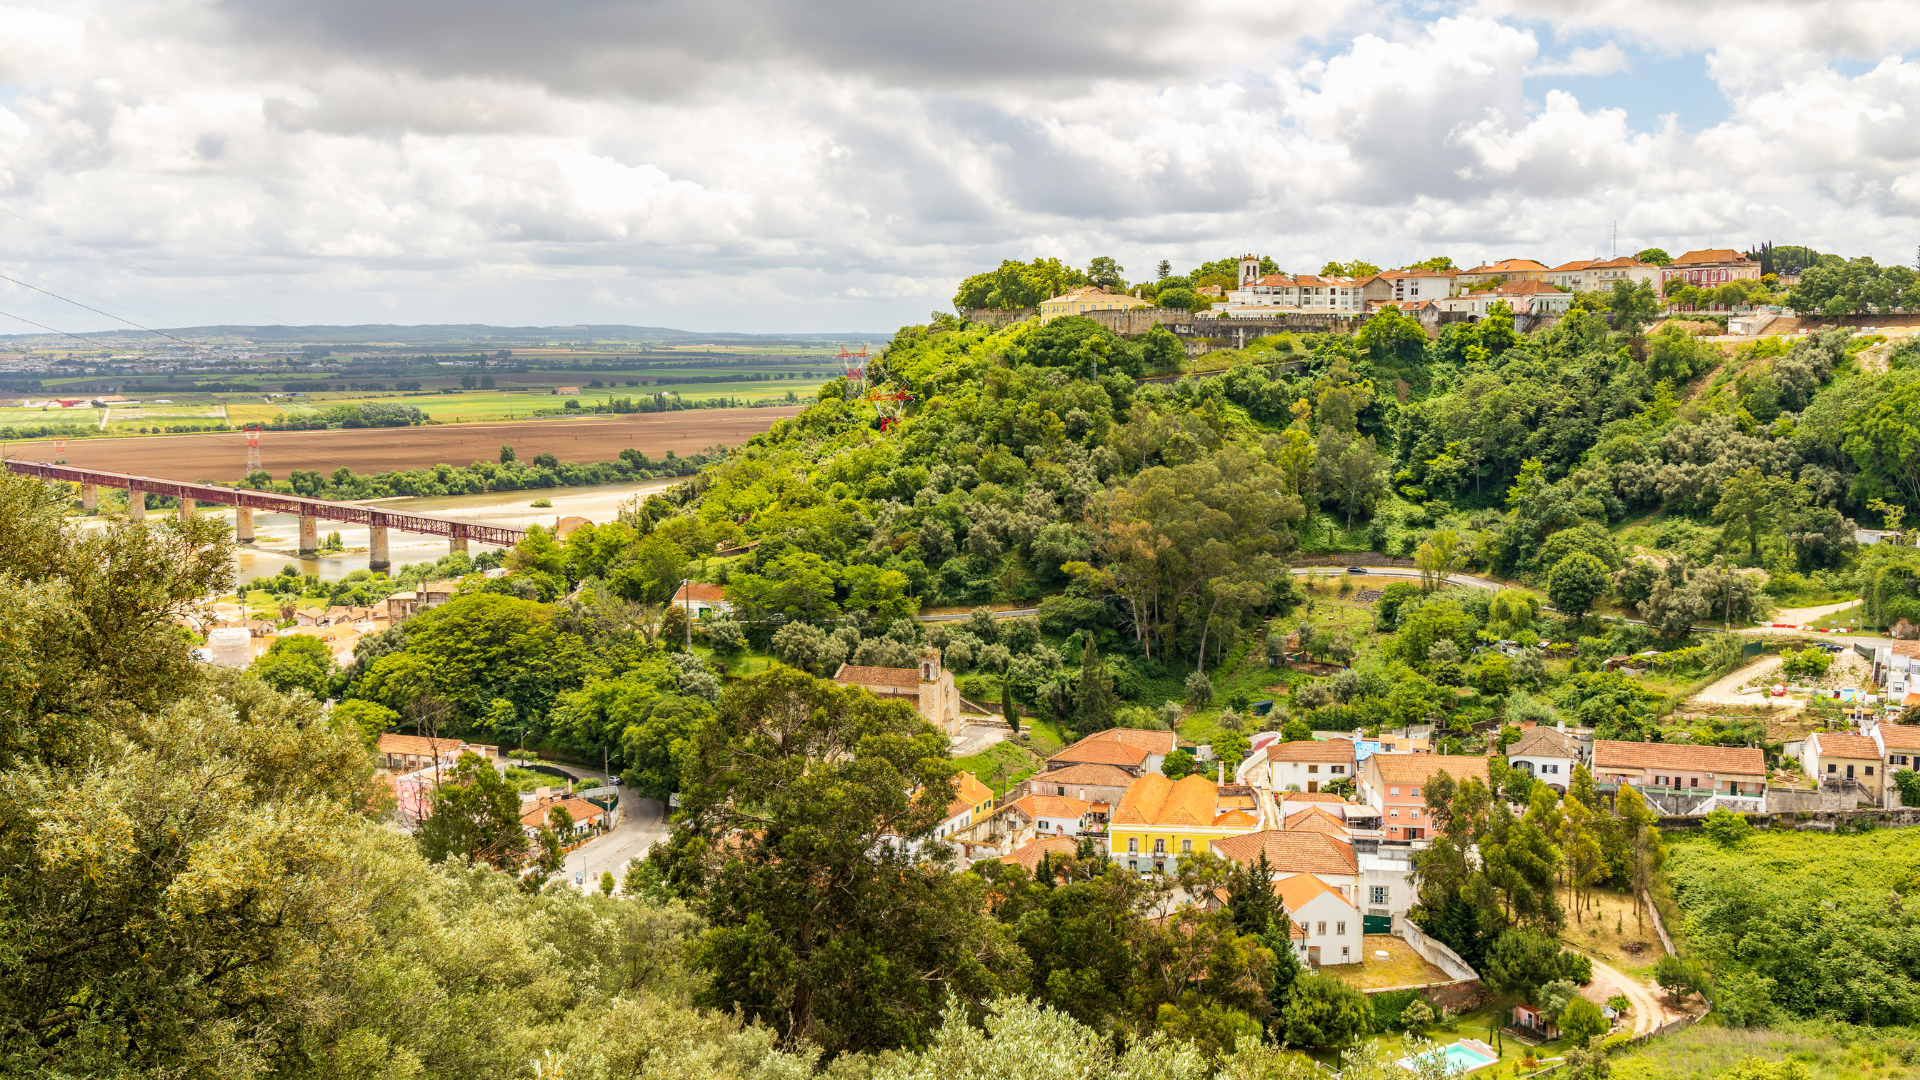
1899, 818
996, 318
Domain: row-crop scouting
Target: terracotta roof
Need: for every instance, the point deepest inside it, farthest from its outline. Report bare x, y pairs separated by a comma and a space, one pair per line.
903, 677
1577, 264
1153, 742
1028, 855
1521, 288
1415, 272
1417, 768
1334, 750
1102, 752
700, 592
1710, 255
1624, 262
1315, 819
1741, 761
1505, 266
1904, 736
1079, 292
1300, 890
968, 793
1837, 744
1301, 852
418, 745
1310, 796
1544, 742
1237, 819
580, 809
1088, 773
1155, 800
1052, 806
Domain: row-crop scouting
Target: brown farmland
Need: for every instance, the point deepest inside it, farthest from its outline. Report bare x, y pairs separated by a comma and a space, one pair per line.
223, 456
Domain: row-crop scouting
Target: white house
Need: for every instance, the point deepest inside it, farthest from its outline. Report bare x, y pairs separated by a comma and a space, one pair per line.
1307, 766
1522, 297
1053, 815
1304, 292
698, 598
1547, 755
1334, 934
1835, 757
1899, 749
1413, 286
971, 802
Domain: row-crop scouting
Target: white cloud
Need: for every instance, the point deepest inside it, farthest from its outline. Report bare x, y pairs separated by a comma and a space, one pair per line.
1603, 60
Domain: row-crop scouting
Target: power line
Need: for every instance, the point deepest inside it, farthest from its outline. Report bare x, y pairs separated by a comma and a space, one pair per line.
51, 330
78, 292
95, 310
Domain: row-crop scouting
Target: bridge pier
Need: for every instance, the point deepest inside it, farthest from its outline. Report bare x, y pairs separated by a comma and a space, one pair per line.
377, 548
309, 535
458, 543
186, 509
136, 504
89, 496
243, 525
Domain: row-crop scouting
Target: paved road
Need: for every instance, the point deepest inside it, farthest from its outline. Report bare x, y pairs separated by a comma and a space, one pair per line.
642, 825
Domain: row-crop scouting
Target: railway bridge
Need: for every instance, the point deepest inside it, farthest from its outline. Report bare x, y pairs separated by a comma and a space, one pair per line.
245, 503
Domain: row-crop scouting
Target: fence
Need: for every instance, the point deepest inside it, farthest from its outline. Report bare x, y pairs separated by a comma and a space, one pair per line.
1658, 926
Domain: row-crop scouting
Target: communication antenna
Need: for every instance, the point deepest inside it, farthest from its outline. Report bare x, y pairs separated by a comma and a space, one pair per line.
253, 450
1616, 241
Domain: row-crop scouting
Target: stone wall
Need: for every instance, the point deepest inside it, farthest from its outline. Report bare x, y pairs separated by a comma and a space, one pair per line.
997, 318
1814, 819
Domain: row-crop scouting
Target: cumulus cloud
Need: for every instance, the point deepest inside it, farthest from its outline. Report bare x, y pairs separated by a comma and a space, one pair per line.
765, 165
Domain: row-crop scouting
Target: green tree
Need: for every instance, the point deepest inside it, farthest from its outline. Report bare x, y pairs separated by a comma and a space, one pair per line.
1230, 748
1323, 1011
1726, 828
1296, 730
1178, 764
366, 717
1199, 690
1392, 338
1522, 961
1105, 272
1908, 782
297, 662
1357, 268
1654, 255
1576, 582
1748, 504
1633, 304
1161, 350
1095, 702
475, 816
1581, 1021
507, 454
1884, 441
822, 924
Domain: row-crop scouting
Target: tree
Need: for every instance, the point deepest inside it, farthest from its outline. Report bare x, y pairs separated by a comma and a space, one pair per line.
1747, 506
1393, 338
1435, 557
1357, 268
297, 662
1581, 1021
1352, 472
475, 816
1105, 272
1654, 255
1438, 263
1182, 299
1095, 702
1161, 270
368, 718
1576, 582
1908, 782
507, 454
1296, 730
822, 924
1726, 828
1199, 690
1523, 961
1230, 748
1679, 977
1160, 350
1178, 764
1323, 1011
1633, 304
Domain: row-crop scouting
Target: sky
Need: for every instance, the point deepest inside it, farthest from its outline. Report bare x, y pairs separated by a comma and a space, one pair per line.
768, 166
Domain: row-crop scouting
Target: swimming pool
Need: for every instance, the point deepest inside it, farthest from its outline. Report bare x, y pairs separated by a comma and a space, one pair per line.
1464, 1056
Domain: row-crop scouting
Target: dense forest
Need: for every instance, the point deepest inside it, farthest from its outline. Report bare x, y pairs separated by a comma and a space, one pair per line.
201, 883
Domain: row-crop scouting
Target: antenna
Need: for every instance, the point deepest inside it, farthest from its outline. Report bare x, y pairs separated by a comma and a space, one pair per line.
1616, 241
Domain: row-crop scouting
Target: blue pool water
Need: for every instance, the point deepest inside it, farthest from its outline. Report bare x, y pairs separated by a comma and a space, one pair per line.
1461, 1057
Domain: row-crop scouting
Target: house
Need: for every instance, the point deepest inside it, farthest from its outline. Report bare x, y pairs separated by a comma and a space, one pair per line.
1710, 268
587, 817
1417, 739
1028, 855
1505, 270
971, 799
1572, 275
1681, 767
1137, 751
1418, 286
406, 753
1091, 782
1522, 297
1899, 749
698, 598
402, 606
930, 688
1599, 276
1394, 784
1330, 858
1159, 820
1897, 667
1844, 760
1532, 1018
1546, 754
1084, 298
1307, 765
1332, 924
567, 391
340, 639
1053, 815
1306, 292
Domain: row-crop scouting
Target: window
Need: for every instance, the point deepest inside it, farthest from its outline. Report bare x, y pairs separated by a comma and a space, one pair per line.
1133, 845
1133, 864
1159, 847
1393, 791
1393, 811
1659, 781
1346, 953
1339, 769
1869, 770
1060, 789
1313, 768
1414, 813
1186, 847
1693, 781
1340, 929
1415, 792
1377, 894
1320, 929
1832, 767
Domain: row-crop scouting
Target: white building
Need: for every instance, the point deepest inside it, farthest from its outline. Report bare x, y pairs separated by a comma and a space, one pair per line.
1899, 749
1334, 934
1413, 286
1299, 292
1052, 815
1546, 754
1307, 765
698, 598
1842, 759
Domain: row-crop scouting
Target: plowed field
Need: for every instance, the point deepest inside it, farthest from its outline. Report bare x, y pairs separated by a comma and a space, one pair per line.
223, 456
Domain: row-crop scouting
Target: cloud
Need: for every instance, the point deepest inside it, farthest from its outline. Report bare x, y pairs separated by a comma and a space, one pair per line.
1603, 60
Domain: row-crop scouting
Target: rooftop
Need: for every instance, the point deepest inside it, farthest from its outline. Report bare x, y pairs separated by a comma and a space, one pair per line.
1742, 761
1102, 752
1028, 855
1300, 890
1089, 773
1904, 736
1302, 852
1155, 800
969, 792
1051, 806
699, 592
1835, 744
905, 678
1710, 255
1338, 751
1544, 742
1417, 768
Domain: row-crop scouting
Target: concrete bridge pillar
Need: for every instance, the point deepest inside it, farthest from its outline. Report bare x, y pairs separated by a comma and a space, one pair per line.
377, 548
136, 504
186, 509
309, 535
243, 525
90, 496
458, 543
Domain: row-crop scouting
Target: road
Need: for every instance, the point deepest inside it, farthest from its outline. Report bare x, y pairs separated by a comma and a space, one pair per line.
1647, 1013
641, 826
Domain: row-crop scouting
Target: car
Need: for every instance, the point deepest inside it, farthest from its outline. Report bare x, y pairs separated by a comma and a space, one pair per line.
1356, 569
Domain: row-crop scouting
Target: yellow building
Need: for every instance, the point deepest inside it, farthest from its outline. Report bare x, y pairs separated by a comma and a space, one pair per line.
1084, 298
1159, 820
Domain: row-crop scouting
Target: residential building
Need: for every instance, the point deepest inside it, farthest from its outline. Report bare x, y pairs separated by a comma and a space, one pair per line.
1096, 784
699, 598
930, 688
1052, 815
1711, 268
406, 753
1414, 286
1308, 765
1332, 924
1546, 754
1508, 270
1844, 760
971, 800
1416, 739
1305, 292
1899, 749
1897, 667
1084, 298
587, 817
1028, 855
1136, 750
1599, 276
1522, 297
1682, 767
1305, 851
1159, 820
1395, 784
1571, 275
402, 606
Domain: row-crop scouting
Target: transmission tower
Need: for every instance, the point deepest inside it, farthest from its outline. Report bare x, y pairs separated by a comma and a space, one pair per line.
856, 367
253, 450
59, 451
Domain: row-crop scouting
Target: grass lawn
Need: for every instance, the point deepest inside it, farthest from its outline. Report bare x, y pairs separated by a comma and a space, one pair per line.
1705, 1051
1403, 966
1000, 766
1608, 930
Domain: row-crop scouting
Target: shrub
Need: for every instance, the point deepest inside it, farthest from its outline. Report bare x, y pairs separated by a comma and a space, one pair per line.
1726, 828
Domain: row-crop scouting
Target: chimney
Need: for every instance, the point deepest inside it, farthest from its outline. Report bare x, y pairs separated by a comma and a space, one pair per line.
1222, 773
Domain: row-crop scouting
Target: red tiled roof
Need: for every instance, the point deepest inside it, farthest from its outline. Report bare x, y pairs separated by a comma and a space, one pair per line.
1102, 752
1291, 852
1087, 773
1309, 796
969, 792
1738, 760
417, 745
1052, 806
1153, 742
1332, 750
1300, 890
580, 810
1521, 288
1506, 266
700, 592
904, 677
1155, 800
1315, 819
1709, 255
1028, 855
1904, 736
1835, 744
1417, 768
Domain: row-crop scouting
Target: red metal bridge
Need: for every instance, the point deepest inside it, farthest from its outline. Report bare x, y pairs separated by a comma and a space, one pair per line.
309, 511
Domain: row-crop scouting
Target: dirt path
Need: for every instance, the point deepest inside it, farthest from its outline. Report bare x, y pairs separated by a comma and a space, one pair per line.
1722, 690
1803, 615
1647, 1013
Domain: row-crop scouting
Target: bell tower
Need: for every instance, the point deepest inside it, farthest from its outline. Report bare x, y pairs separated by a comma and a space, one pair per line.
1249, 270
929, 664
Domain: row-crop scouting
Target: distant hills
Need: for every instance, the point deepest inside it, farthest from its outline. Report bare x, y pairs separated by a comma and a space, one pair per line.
463, 335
